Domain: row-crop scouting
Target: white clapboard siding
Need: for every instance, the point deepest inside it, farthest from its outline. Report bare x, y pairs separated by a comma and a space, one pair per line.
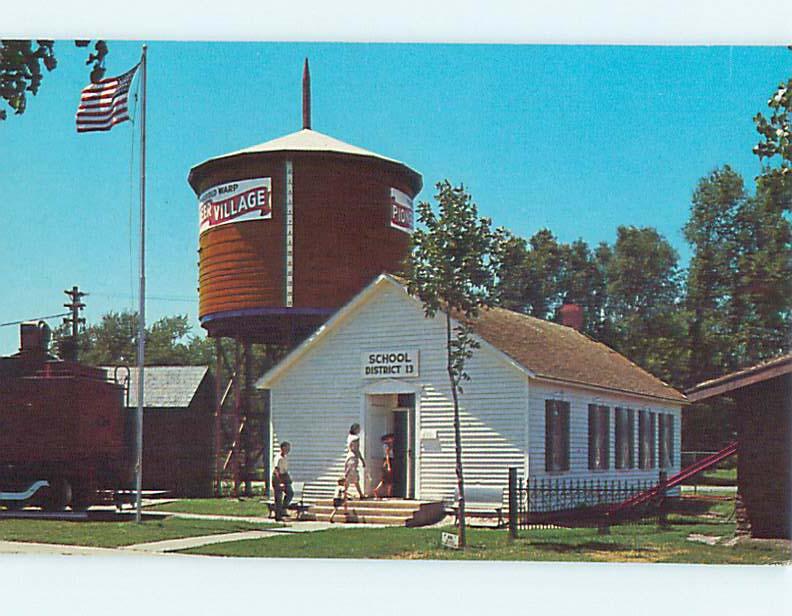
316, 400
319, 395
579, 399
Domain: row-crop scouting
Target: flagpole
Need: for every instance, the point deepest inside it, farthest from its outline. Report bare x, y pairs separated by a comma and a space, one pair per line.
142, 309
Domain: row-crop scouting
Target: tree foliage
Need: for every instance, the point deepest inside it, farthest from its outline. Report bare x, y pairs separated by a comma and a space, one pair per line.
644, 302
776, 133
113, 341
627, 291
22, 66
169, 342
536, 277
452, 268
739, 282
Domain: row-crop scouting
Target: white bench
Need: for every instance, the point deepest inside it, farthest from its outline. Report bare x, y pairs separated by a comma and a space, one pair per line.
481, 500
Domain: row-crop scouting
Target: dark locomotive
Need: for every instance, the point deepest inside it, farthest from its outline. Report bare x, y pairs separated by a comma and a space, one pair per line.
62, 441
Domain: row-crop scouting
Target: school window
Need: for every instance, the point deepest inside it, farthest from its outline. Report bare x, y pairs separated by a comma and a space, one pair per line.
666, 441
599, 431
625, 438
556, 435
646, 438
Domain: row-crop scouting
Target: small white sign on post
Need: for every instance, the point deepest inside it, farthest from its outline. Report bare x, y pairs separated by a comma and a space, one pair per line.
450, 540
394, 364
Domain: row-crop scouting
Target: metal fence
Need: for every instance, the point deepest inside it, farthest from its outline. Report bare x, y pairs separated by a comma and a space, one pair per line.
538, 503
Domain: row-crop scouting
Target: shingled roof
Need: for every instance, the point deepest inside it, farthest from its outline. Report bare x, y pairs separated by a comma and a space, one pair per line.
562, 353
764, 371
166, 386
306, 140
542, 348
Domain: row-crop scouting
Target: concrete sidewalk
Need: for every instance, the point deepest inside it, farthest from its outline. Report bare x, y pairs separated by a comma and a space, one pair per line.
19, 547
171, 546
174, 545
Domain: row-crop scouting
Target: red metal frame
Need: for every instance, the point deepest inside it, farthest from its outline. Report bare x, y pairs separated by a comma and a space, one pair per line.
675, 480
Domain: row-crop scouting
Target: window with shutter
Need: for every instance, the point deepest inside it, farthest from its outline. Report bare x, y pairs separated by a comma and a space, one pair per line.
646, 438
599, 441
625, 438
666, 441
556, 435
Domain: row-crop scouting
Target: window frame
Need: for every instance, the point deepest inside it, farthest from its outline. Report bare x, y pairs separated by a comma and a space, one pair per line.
624, 415
665, 452
647, 431
598, 437
557, 422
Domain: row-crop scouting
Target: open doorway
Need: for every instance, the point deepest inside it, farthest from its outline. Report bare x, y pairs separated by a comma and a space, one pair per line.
391, 414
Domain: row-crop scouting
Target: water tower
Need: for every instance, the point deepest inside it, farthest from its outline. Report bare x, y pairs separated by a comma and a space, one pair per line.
290, 230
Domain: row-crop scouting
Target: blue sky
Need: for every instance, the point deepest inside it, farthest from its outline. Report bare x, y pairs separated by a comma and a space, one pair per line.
578, 139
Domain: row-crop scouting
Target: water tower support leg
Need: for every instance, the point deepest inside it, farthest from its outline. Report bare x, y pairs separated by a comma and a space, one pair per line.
218, 419
247, 412
235, 453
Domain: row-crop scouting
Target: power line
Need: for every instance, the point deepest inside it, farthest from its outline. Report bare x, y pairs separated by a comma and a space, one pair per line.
44, 318
161, 298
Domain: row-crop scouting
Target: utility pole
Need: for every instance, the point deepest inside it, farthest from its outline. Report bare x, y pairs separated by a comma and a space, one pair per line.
76, 320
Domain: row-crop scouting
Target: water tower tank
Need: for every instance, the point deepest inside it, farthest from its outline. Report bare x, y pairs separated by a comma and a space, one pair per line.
293, 228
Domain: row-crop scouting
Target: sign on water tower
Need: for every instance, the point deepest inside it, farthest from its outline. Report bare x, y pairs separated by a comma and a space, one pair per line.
401, 211
235, 202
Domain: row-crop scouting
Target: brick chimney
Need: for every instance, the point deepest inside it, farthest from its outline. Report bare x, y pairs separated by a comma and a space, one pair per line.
571, 315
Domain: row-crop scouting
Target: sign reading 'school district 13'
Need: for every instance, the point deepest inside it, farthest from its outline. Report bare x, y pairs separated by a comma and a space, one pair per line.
401, 211
393, 364
235, 202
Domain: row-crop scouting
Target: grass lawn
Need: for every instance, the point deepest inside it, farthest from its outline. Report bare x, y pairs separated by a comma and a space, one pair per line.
719, 477
114, 534
216, 506
715, 477
643, 542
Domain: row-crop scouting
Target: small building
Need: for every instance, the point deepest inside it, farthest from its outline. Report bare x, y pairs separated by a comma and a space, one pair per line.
177, 427
763, 400
542, 397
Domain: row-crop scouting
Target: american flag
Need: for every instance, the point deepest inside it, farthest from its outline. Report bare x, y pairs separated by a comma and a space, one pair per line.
104, 104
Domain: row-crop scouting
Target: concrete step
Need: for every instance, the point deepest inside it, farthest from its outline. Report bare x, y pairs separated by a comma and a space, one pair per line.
401, 513
362, 519
370, 506
356, 509
386, 503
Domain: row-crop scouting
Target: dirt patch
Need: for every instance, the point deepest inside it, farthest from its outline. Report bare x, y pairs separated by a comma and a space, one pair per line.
708, 539
410, 556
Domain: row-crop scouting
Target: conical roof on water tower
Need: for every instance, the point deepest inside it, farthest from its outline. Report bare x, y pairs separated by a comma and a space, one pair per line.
293, 228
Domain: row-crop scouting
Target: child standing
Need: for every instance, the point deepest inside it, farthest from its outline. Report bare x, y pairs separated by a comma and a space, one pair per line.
339, 498
386, 483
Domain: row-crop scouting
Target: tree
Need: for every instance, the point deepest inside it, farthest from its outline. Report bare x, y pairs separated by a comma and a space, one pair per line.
762, 293
452, 268
583, 281
113, 341
644, 304
21, 64
538, 276
712, 274
776, 133
739, 280
529, 274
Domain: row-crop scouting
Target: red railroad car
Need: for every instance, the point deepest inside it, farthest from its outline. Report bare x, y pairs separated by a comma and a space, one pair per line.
61, 429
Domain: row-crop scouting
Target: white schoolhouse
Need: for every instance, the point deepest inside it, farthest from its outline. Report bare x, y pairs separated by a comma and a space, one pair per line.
542, 397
